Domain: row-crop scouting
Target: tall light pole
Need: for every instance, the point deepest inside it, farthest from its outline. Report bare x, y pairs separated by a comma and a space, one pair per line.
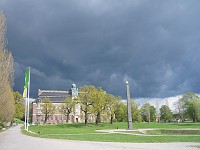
130, 126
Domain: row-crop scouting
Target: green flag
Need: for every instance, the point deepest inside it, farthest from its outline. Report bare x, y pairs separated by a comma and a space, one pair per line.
26, 79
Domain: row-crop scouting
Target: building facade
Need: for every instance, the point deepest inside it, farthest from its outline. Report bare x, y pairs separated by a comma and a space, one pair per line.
58, 98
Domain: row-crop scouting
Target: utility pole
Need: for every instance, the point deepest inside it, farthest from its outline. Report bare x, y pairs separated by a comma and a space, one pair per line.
130, 126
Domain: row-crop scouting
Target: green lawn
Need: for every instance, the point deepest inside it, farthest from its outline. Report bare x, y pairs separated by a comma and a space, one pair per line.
80, 132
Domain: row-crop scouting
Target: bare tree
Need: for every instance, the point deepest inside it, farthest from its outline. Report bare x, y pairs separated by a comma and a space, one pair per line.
6, 58
6, 70
3, 29
111, 105
6, 76
145, 112
158, 110
181, 109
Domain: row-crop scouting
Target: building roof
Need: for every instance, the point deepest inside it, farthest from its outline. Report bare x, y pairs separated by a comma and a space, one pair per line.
54, 95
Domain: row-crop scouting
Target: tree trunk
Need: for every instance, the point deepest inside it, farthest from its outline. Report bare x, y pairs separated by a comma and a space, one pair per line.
45, 119
86, 122
86, 118
111, 119
98, 119
148, 118
67, 119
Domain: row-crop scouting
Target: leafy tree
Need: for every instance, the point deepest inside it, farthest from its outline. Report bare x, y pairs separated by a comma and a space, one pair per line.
136, 115
85, 100
189, 96
67, 107
19, 105
121, 111
98, 98
186, 106
197, 110
7, 108
47, 108
180, 106
148, 113
193, 109
166, 113
152, 114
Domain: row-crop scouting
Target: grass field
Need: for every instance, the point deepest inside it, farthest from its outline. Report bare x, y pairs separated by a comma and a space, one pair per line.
161, 132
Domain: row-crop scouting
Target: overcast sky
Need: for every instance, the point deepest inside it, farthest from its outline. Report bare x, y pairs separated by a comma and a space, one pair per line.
153, 44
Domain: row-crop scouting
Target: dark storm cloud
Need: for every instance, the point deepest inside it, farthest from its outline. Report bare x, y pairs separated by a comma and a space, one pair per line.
153, 44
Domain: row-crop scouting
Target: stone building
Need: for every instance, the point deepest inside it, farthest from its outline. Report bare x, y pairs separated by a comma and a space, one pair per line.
57, 98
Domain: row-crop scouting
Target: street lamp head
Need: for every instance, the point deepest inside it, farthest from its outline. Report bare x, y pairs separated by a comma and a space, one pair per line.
126, 82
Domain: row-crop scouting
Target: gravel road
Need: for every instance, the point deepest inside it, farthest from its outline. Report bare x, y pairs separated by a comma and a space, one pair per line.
12, 139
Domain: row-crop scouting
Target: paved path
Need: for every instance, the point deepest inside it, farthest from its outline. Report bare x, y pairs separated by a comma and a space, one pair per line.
140, 132
12, 139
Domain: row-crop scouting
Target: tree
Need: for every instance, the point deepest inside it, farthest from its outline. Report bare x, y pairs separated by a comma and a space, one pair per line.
166, 113
3, 29
148, 113
180, 106
136, 115
47, 108
152, 114
193, 109
186, 106
6, 58
157, 111
197, 110
85, 100
19, 105
98, 98
121, 111
67, 107
6, 70
145, 112
191, 103
111, 105
7, 108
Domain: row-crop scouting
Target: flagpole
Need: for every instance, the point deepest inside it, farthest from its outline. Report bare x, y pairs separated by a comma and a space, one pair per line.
25, 118
28, 98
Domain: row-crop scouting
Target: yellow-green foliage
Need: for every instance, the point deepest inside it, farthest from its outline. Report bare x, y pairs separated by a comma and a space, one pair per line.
48, 108
19, 105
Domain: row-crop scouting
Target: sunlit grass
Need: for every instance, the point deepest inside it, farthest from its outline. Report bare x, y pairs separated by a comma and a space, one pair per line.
78, 131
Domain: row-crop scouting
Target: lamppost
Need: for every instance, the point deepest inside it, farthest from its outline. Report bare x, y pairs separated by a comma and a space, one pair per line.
130, 126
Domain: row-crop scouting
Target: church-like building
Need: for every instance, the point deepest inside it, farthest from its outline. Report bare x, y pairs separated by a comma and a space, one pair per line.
57, 98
